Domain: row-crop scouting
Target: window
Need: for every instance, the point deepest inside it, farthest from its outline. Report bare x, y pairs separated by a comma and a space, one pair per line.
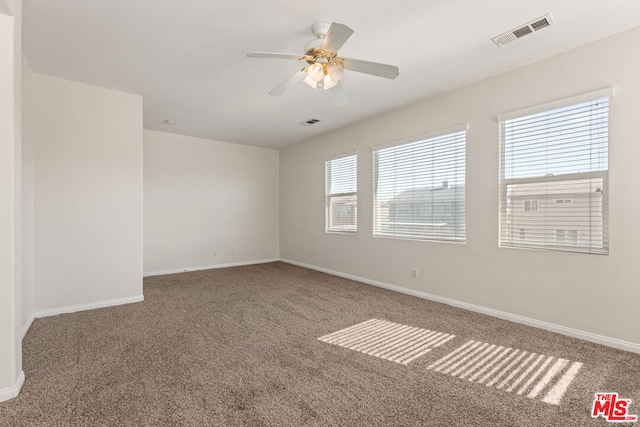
554, 176
420, 188
531, 206
522, 234
566, 237
341, 214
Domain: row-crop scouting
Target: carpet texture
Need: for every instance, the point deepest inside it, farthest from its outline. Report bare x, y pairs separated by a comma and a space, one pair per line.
261, 346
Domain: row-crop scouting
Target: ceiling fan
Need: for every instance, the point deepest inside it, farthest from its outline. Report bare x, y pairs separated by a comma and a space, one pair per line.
325, 68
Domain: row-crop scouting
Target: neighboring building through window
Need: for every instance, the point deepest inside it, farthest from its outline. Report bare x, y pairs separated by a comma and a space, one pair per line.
341, 194
420, 188
554, 177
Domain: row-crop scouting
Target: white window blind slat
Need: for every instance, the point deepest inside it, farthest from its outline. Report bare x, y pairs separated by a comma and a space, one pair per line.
420, 189
554, 178
341, 193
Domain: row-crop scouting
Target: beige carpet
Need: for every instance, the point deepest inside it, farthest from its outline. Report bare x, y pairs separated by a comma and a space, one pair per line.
279, 345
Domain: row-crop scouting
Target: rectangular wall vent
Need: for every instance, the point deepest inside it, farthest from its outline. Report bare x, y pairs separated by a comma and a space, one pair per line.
523, 30
309, 122
540, 23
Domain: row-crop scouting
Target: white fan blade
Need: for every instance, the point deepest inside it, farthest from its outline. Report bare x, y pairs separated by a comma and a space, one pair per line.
275, 55
335, 38
285, 85
375, 68
340, 96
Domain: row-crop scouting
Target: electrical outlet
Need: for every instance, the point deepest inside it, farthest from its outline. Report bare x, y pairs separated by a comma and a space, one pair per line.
233, 252
215, 254
306, 252
414, 273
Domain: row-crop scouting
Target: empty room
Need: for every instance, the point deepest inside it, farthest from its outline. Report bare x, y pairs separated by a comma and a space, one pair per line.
280, 213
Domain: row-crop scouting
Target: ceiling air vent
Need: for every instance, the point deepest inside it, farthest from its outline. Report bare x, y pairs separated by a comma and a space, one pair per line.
309, 122
516, 33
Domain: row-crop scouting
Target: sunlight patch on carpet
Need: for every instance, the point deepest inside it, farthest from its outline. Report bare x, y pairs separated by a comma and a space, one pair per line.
526, 374
388, 340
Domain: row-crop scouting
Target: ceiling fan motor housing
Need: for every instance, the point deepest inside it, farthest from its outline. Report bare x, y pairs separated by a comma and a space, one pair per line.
316, 54
319, 30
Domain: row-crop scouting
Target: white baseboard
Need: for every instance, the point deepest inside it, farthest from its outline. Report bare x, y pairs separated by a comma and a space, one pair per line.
209, 267
575, 333
13, 391
27, 325
89, 306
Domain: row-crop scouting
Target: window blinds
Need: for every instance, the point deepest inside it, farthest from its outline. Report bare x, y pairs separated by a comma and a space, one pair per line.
554, 178
420, 189
341, 183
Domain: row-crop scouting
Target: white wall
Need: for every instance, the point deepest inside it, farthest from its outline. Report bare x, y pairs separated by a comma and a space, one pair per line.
27, 310
11, 376
87, 195
595, 294
204, 199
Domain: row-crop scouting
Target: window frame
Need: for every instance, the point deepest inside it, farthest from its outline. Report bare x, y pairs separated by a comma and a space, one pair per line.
329, 227
425, 137
504, 183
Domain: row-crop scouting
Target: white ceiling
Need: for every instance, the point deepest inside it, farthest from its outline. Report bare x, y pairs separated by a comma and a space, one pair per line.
187, 58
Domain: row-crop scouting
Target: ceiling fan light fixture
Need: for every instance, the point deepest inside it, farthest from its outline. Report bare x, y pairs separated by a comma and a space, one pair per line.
325, 68
335, 71
312, 83
315, 72
328, 82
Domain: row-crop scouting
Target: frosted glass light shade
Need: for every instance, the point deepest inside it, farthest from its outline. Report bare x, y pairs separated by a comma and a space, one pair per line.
328, 82
335, 71
315, 72
310, 82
